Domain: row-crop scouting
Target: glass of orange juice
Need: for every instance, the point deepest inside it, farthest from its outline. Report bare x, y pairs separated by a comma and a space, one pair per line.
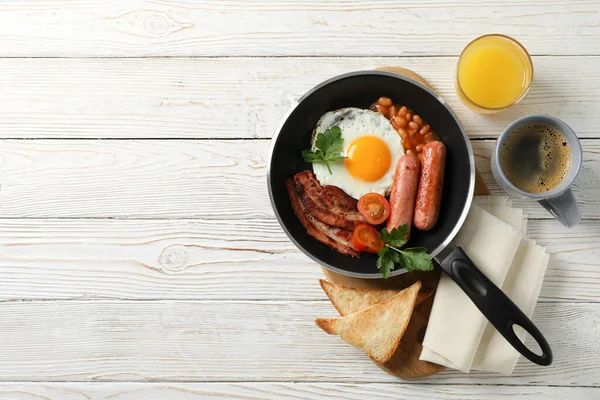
493, 73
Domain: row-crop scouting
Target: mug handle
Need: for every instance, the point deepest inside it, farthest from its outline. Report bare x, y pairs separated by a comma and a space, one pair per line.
564, 208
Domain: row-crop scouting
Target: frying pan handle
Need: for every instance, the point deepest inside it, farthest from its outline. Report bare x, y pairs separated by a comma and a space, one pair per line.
495, 305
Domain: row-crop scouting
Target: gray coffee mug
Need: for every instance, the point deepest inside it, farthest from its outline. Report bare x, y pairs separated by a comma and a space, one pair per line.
560, 202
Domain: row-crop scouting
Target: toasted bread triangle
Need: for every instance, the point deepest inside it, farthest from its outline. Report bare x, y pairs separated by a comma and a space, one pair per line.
379, 328
347, 300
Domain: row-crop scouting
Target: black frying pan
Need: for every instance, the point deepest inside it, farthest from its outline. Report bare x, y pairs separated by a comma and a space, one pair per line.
361, 89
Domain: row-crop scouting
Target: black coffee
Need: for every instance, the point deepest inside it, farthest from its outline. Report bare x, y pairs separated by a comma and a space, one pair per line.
535, 158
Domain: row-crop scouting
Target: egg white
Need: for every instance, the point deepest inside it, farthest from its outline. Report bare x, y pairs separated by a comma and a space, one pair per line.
355, 123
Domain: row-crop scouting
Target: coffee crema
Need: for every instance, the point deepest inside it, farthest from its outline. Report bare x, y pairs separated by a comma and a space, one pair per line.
535, 158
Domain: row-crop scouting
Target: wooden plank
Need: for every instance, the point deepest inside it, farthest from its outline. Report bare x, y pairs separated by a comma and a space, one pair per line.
279, 390
95, 28
243, 97
179, 179
243, 341
198, 259
138, 179
213, 259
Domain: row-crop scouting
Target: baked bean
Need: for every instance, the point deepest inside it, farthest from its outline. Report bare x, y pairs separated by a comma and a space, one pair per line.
399, 122
385, 111
415, 132
384, 101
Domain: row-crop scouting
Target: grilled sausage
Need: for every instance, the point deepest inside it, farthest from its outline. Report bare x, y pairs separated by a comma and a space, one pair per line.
429, 195
404, 192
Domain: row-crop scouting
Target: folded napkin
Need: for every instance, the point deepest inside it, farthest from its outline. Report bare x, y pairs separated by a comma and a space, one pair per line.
458, 336
501, 208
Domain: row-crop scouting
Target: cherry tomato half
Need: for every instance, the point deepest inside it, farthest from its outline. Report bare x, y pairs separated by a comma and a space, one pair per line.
366, 238
374, 207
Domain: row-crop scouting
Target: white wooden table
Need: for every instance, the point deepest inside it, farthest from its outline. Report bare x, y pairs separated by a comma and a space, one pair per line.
139, 256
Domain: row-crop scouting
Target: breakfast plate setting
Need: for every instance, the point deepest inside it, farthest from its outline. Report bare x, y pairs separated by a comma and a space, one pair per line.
372, 176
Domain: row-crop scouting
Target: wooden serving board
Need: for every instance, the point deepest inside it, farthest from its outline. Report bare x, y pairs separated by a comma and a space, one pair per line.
405, 362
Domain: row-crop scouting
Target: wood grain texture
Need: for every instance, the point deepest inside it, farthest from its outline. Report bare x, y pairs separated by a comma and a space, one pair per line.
134, 179
281, 390
190, 237
180, 179
218, 259
243, 97
71, 28
243, 341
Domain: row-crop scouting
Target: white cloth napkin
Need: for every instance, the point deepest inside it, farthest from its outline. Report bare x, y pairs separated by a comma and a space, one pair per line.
458, 335
501, 208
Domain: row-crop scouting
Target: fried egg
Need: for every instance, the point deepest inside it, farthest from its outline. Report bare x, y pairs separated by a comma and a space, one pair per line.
372, 148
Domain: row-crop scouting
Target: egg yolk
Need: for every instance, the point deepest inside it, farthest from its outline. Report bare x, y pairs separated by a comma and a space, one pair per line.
368, 158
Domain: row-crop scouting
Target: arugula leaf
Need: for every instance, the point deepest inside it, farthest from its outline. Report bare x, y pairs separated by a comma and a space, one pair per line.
412, 259
329, 145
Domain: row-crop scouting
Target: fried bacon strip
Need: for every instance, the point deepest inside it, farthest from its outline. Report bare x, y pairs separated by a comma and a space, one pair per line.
338, 239
329, 204
334, 196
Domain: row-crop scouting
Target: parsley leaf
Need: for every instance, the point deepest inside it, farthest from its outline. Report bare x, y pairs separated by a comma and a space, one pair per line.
415, 259
310, 156
329, 145
386, 261
397, 237
412, 259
